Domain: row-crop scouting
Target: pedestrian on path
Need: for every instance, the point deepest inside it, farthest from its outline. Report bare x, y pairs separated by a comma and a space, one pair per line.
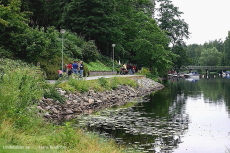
75, 67
81, 68
69, 68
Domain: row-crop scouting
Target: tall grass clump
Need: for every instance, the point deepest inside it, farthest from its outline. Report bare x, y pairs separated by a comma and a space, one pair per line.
149, 74
126, 81
20, 89
51, 92
100, 84
79, 85
103, 82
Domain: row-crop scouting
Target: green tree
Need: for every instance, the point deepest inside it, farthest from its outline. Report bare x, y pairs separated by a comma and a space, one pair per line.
210, 57
226, 53
45, 13
218, 44
182, 59
168, 17
12, 22
93, 19
193, 53
89, 52
151, 46
33, 44
131, 15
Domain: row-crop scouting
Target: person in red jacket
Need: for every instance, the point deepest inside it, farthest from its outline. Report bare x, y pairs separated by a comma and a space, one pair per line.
69, 68
60, 73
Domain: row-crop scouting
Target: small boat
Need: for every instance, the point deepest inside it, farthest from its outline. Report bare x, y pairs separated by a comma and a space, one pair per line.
178, 75
192, 74
172, 74
226, 73
192, 79
181, 74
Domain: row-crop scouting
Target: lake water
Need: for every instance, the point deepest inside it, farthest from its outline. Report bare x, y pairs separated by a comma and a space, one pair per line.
187, 116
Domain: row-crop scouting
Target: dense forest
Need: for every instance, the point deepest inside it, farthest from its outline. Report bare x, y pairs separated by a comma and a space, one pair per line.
146, 32
212, 53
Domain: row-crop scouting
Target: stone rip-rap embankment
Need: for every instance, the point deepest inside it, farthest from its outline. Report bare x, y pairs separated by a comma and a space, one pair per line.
88, 102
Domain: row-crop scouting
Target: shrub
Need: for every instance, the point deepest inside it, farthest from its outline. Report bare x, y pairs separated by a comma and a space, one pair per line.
114, 83
100, 84
150, 74
67, 87
21, 88
103, 82
127, 81
51, 92
89, 51
86, 72
52, 65
79, 85
5, 53
108, 62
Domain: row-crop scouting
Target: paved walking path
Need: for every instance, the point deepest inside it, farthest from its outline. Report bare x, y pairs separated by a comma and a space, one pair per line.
96, 77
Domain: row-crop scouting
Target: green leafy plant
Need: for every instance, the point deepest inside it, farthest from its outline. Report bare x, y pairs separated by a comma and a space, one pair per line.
68, 136
51, 92
103, 82
86, 72
79, 85
20, 89
114, 83
97, 66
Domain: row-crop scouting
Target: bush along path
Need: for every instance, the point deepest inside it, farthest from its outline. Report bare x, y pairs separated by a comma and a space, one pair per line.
90, 101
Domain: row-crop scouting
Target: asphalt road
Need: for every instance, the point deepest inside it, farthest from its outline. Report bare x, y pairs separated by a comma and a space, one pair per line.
96, 77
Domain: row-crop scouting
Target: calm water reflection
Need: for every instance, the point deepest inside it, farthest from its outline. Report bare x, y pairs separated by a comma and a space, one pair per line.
207, 103
187, 116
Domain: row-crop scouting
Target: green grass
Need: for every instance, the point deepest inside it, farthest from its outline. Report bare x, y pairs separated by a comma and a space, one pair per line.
97, 66
53, 138
101, 84
22, 129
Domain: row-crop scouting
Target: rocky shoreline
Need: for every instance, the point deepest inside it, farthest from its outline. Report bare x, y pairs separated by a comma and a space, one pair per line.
88, 102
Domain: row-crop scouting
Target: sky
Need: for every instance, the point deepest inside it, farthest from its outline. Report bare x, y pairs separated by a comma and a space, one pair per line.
207, 19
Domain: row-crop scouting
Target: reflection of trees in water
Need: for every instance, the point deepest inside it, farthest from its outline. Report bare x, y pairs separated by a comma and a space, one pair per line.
158, 125
138, 128
154, 125
214, 90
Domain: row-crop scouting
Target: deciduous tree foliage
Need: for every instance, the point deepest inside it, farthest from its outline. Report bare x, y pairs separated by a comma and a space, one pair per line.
13, 23
45, 13
93, 19
210, 57
226, 52
33, 44
28, 33
193, 53
169, 19
131, 17
182, 58
151, 47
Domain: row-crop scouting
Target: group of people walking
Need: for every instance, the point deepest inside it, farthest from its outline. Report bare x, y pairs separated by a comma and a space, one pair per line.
75, 68
131, 69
